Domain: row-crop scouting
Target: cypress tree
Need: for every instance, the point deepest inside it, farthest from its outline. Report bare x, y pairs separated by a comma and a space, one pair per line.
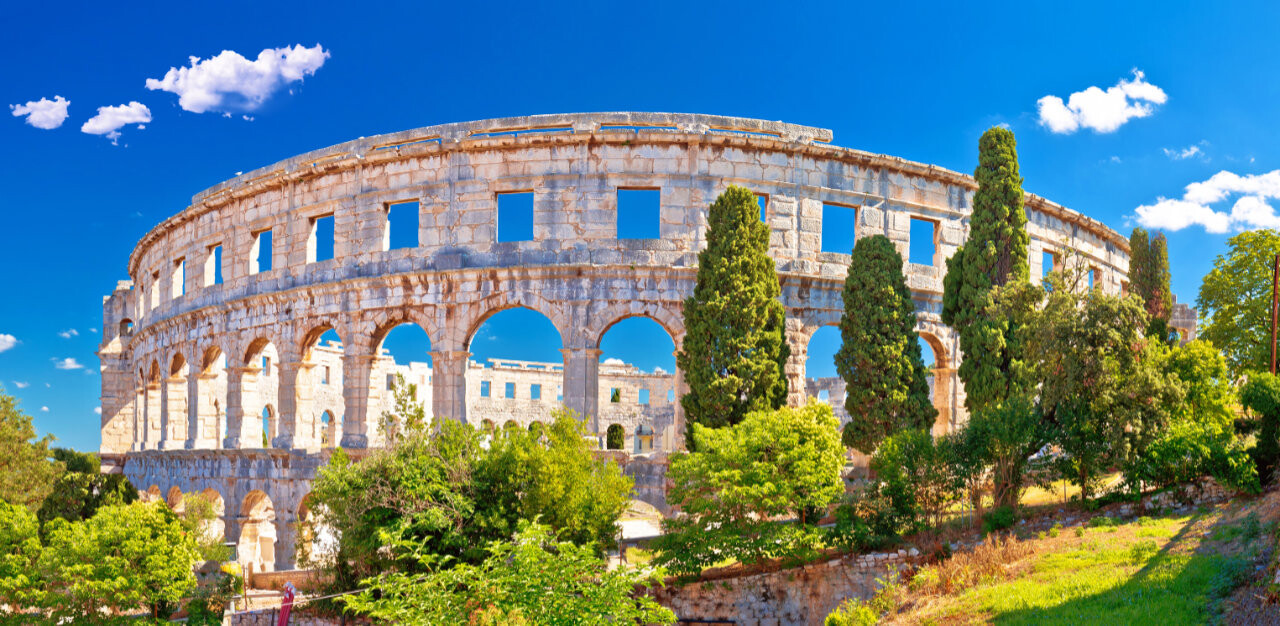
879, 357
994, 254
734, 350
1149, 279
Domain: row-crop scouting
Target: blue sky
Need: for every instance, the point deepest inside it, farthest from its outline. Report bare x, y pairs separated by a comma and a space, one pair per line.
914, 80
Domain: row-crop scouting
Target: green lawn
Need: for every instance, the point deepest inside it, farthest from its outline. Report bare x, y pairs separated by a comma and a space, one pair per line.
1160, 570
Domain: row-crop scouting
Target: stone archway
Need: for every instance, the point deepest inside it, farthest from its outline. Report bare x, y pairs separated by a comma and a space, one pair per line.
256, 546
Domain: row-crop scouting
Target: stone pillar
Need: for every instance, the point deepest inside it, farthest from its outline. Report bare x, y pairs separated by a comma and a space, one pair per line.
139, 419
297, 407
286, 534
204, 413
675, 441
240, 431
449, 384
356, 388
193, 412
794, 369
151, 435
582, 385
173, 432
942, 380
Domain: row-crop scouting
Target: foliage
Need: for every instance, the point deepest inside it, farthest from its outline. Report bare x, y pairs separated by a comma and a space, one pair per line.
614, 437
123, 557
1261, 395
879, 357
1149, 279
1235, 301
26, 470
866, 519
532, 579
734, 351
198, 514
20, 584
995, 254
999, 518
408, 415
442, 489
210, 601
77, 461
918, 475
742, 478
1002, 436
852, 612
77, 496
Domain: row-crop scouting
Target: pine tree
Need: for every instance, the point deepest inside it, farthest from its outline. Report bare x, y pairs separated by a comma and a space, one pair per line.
1149, 279
879, 357
994, 254
734, 349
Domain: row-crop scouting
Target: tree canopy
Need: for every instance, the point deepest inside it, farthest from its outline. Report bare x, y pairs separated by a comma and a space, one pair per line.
879, 356
734, 353
1149, 278
1235, 301
27, 469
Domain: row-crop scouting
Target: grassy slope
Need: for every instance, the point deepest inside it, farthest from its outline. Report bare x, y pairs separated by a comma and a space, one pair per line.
1173, 570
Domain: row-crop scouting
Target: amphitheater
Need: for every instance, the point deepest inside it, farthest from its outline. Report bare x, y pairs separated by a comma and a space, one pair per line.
215, 378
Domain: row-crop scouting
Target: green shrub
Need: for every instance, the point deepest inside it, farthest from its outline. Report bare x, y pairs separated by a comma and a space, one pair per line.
852, 612
998, 519
865, 520
1101, 521
1141, 551
1055, 530
1079, 531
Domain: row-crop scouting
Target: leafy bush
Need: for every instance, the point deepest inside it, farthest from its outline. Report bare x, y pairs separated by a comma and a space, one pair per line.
918, 475
1101, 521
1262, 396
998, 519
852, 612
20, 584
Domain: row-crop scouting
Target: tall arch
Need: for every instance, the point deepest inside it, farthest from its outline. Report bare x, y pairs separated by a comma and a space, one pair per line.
256, 545
513, 364
216, 529
402, 350
210, 398
251, 386
174, 403
309, 386
638, 382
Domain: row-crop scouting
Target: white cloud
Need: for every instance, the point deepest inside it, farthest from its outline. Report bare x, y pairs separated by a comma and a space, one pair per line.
68, 333
68, 363
1114, 159
614, 361
110, 120
44, 409
1185, 153
97, 410
21, 385
43, 113
1250, 210
7, 341
1099, 110
93, 330
230, 82
659, 370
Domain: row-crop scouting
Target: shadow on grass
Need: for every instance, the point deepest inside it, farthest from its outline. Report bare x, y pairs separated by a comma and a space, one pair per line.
1172, 587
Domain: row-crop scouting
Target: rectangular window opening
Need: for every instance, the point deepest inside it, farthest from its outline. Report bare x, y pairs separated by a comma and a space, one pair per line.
155, 289
639, 213
615, 394
839, 228
324, 376
515, 216
762, 200
484, 389
1094, 283
671, 395
1048, 263
924, 241
510, 390
213, 266
266, 365
402, 225
260, 254
391, 382
179, 286
535, 392
644, 397
320, 243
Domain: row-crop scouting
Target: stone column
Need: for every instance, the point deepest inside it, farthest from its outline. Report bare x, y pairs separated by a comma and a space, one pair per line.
356, 370
193, 412
297, 407
173, 432
449, 384
286, 534
238, 379
139, 419
582, 385
154, 416
676, 440
794, 369
205, 414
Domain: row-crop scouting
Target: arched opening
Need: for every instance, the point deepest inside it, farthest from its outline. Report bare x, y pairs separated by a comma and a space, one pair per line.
402, 366
317, 389
316, 542
260, 389
152, 494
175, 402
174, 500
637, 379
511, 424
256, 547
487, 425
615, 437
152, 408
329, 432
822, 381
216, 528
211, 399
942, 381
536, 429
515, 368
126, 327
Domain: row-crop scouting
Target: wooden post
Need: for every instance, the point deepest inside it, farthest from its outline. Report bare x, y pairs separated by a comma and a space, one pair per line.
1275, 301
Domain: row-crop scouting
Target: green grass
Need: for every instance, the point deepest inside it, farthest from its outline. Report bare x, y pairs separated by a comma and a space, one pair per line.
1124, 574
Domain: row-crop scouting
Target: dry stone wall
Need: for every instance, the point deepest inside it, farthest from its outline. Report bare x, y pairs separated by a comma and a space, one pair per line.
211, 333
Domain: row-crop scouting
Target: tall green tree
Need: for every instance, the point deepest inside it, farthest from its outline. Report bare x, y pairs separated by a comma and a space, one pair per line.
27, 469
20, 585
994, 254
879, 357
1235, 301
735, 351
1149, 278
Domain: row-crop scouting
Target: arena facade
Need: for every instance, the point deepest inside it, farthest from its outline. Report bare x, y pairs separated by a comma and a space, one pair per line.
213, 346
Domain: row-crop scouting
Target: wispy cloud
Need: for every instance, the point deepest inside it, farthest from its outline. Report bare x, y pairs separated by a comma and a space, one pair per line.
97, 410
43, 113
1188, 152
1250, 210
68, 333
21, 385
1102, 111
68, 363
44, 409
110, 120
7, 342
229, 82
